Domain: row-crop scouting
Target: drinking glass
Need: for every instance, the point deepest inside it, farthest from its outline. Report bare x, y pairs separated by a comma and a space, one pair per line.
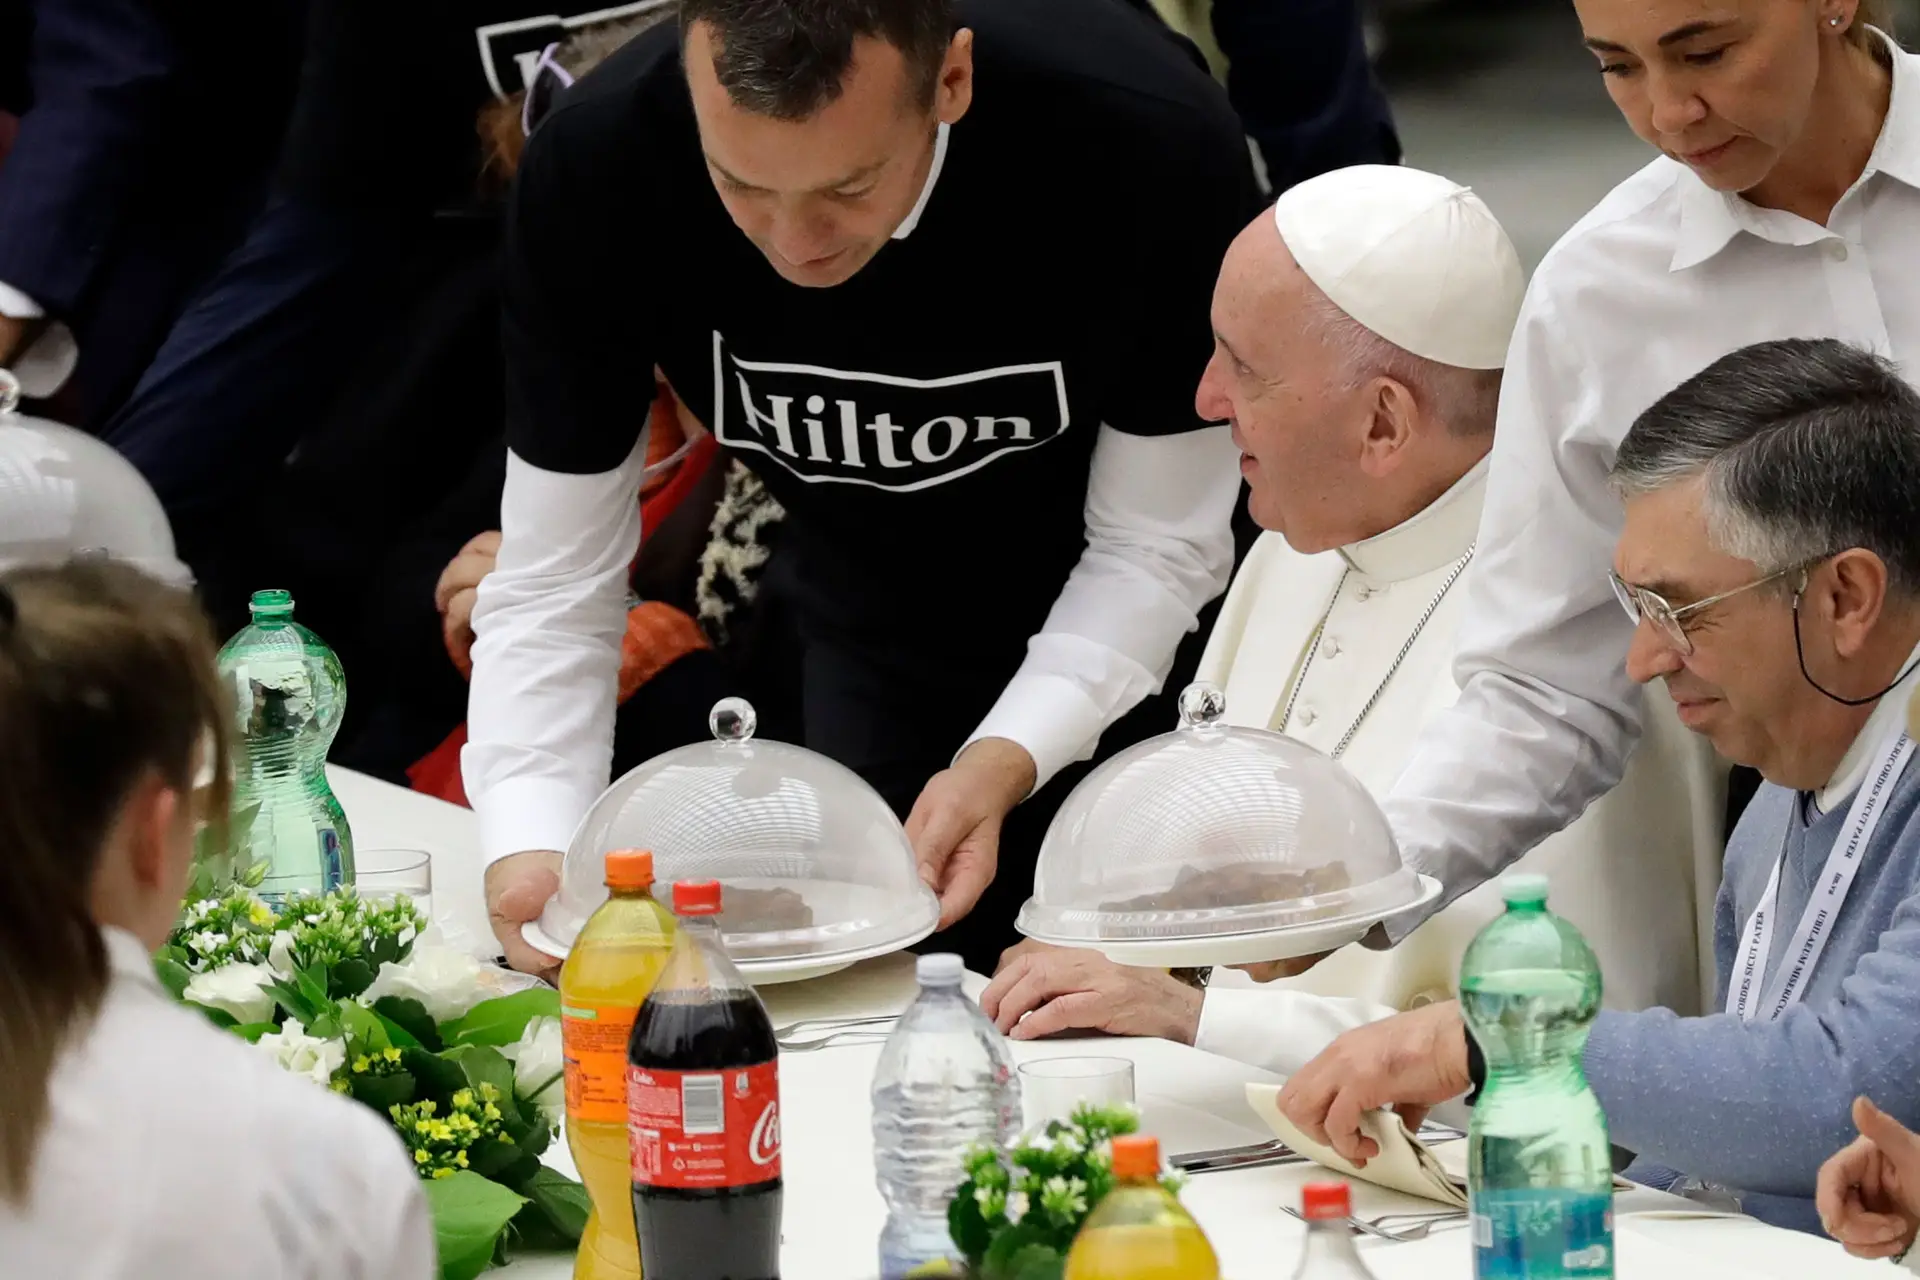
1050, 1088
381, 875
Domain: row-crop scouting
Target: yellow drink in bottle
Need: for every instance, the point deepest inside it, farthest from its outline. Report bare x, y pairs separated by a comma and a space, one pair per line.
1139, 1231
611, 968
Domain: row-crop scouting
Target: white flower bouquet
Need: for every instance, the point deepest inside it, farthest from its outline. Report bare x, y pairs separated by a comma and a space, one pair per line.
465, 1067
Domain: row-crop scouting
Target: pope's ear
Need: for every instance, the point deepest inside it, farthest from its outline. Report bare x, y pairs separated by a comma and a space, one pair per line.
1392, 424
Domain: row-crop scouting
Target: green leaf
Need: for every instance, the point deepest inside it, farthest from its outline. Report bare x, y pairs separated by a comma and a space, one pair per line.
293, 1002
560, 1201
252, 1031
469, 1213
1021, 1254
366, 1033
438, 1077
491, 1157
312, 984
409, 1013
218, 1017
172, 974
968, 1226
381, 1092
503, 1020
397, 1035
349, 978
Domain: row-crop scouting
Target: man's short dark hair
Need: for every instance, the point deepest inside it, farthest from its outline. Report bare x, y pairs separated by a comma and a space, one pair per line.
1808, 446
787, 58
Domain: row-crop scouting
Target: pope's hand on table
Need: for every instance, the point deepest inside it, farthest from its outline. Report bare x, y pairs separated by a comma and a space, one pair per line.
1410, 1062
459, 587
955, 824
518, 887
1053, 989
1868, 1194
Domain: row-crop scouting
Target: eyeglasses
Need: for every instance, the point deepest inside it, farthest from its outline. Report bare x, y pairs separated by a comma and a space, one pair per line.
1651, 606
543, 86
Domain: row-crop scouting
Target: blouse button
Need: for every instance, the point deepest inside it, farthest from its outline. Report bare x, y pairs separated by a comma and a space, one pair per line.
1837, 250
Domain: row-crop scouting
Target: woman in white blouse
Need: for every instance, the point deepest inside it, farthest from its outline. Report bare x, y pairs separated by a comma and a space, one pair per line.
1785, 203
136, 1140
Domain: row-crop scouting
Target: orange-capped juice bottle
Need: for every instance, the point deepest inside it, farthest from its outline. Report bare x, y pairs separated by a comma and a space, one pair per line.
611, 968
1139, 1231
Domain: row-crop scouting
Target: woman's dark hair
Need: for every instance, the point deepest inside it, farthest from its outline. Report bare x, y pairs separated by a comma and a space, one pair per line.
107, 678
1871, 13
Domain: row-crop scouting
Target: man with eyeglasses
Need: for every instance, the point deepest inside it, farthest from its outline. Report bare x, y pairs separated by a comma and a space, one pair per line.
1770, 560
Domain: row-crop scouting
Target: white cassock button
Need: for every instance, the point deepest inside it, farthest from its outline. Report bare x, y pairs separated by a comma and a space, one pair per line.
1308, 716
1364, 593
1331, 648
1837, 250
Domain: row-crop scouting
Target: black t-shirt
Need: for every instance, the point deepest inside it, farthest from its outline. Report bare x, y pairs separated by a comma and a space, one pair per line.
390, 91
928, 424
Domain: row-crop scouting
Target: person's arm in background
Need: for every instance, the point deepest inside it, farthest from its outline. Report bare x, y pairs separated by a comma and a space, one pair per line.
1160, 496
96, 71
1546, 717
1689, 1093
1299, 75
550, 617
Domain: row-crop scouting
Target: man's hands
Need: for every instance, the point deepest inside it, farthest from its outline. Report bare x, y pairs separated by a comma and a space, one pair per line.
1066, 989
955, 824
459, 588
518, 886
1410, 1062
1869, 1193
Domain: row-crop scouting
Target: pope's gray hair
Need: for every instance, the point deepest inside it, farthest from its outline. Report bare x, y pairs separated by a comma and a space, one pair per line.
1465, 400
1807, 448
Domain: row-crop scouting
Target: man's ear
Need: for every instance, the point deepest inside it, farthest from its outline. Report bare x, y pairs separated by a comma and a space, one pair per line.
1392, 424
953, 92
1855, 596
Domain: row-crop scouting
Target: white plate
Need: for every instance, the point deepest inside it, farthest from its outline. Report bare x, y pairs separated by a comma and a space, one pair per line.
1248, 948
761, 973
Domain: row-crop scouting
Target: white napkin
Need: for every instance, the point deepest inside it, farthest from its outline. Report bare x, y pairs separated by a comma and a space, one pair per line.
882, 986
1404, 1163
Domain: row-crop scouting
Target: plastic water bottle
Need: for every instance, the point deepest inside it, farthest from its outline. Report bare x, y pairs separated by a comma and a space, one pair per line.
1539, 1169
1327, 1207
289, 694
945, 1083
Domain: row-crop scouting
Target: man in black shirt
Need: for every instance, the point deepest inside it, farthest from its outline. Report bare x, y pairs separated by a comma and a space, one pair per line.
940, 273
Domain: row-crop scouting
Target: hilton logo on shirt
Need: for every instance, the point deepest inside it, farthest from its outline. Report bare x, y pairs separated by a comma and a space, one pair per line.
833, 426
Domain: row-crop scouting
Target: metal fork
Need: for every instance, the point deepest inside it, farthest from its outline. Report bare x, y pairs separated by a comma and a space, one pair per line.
1252, 1156
1402, 1235
835, 1040
782, 1032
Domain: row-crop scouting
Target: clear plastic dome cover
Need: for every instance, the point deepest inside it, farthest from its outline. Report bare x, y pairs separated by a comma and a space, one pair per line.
817, 871
1217, 845
64, 493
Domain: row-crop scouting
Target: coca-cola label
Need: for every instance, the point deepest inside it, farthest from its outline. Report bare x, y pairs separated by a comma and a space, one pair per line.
704, 1128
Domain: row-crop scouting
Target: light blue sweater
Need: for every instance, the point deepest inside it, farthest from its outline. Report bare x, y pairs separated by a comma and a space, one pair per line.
1759, 1106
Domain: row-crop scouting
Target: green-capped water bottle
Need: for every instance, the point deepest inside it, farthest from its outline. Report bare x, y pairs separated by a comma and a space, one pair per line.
1539, 1168
289, 693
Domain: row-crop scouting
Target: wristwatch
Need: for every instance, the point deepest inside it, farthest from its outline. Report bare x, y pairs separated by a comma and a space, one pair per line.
1195, 978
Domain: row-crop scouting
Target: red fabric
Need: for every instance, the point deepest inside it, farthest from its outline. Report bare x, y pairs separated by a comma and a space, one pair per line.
653, 640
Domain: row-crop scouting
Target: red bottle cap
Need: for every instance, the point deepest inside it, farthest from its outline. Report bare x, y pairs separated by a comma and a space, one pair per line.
696, 898
1135, 1155
629, 869
1320, 1201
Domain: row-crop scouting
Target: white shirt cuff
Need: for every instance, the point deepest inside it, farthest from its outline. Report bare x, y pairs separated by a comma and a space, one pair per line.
16, 305
520, 814
46, 363
1051, 716
1276, 1029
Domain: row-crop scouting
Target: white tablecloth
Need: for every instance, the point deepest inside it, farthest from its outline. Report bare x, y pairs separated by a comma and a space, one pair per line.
1189, 1099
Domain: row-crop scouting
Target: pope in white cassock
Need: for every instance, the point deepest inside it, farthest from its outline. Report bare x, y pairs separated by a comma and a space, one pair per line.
1360, 328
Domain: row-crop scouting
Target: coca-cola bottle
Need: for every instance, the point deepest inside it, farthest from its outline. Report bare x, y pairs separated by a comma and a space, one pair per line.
703, 1111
